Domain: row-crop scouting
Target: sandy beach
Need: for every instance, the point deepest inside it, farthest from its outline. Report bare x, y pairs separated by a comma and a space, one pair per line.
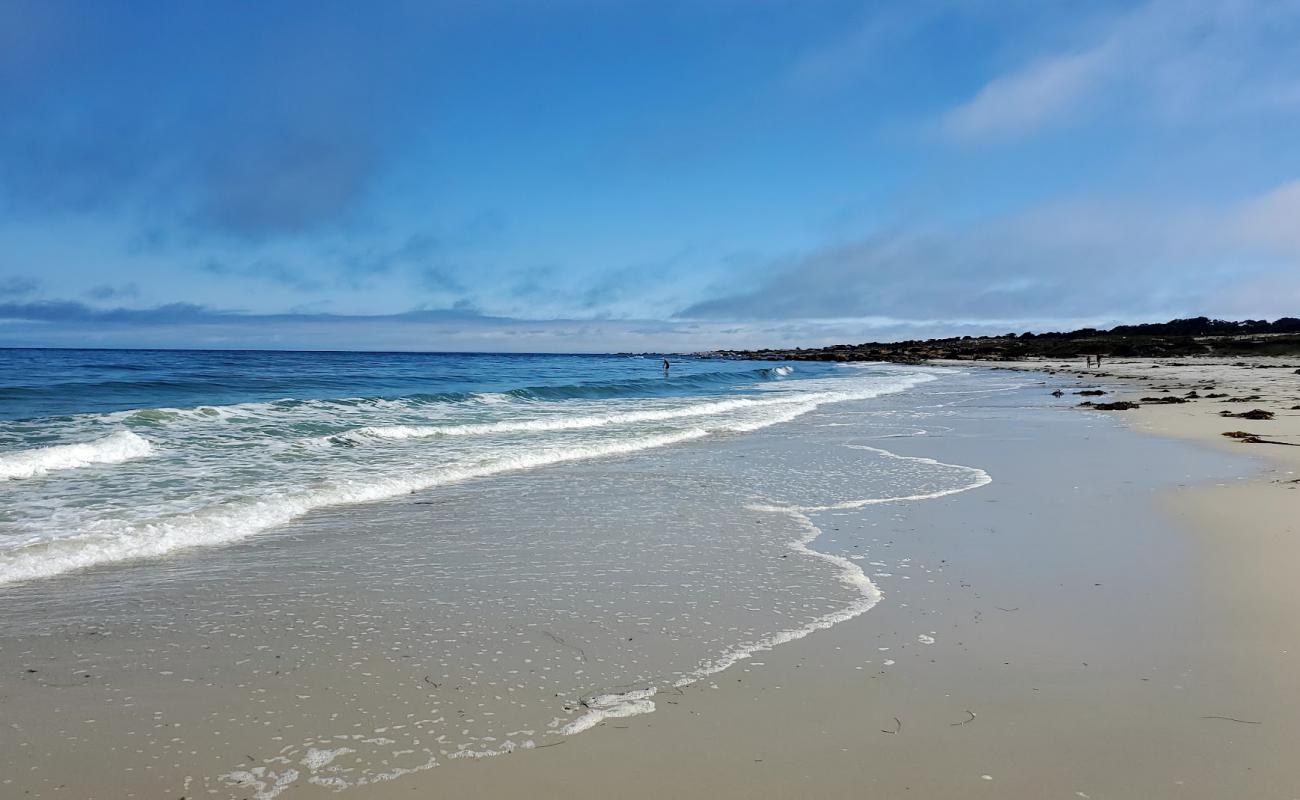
1114, 617
1062, 602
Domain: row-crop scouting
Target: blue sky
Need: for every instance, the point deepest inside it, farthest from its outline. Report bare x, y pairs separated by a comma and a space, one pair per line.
588, 176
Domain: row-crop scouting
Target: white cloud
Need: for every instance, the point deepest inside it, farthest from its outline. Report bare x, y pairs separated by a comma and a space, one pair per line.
859, 50
1273, 220
1094, 259
1032, 98
1178, 61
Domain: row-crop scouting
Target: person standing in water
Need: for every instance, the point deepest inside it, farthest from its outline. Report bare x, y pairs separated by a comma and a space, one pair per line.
666, 366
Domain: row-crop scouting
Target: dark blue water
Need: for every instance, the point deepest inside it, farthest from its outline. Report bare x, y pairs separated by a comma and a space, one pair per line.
44, 383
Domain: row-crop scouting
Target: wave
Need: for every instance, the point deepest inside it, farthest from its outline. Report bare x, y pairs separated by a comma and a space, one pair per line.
607, 390
231, 522
234, 522
112, 449
557, 423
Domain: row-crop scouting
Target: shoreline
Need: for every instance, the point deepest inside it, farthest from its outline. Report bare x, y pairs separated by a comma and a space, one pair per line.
1105, 708
1079, 625
1235, 385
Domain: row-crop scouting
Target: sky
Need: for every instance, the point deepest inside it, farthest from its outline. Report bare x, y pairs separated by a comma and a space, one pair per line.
597, 176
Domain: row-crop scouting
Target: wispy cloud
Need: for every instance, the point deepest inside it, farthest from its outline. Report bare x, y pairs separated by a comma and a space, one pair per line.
1273, 220
1041, 94
18, 285
264, 270
415, 252
1178, 60
1067, 261
108, 292
861, 50
76, 313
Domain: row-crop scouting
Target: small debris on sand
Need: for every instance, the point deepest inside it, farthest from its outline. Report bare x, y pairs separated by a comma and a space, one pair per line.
1251, 438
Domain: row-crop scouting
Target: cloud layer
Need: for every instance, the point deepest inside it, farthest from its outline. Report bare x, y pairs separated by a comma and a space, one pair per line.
1079, 260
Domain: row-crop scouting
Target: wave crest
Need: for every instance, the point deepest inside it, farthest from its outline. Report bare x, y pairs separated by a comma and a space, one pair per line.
112, 449
556, 423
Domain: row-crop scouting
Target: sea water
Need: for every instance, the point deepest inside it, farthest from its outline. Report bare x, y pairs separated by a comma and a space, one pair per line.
111, 455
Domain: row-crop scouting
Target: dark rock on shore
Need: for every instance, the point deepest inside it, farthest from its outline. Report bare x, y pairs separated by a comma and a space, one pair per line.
1257, 413
1121, 405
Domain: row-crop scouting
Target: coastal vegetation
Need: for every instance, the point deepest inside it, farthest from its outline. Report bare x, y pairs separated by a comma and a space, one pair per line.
1195, 336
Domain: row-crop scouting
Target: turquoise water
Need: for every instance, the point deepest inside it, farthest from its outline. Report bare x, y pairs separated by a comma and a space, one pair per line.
109, 456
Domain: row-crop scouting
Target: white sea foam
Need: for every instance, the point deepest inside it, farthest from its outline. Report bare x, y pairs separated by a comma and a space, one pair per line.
266, 785
315, 759
229, 523
850, 574
236, 516
626, 704
112, 449
611, 706
507, 747
562, 423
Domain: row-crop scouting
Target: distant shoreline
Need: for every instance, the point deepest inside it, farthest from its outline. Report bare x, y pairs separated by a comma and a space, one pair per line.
1197, 336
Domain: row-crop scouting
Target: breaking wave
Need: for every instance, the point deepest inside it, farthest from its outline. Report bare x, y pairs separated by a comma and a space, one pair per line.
112, 449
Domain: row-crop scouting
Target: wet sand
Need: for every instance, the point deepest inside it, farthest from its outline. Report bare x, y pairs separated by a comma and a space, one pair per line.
1115, 616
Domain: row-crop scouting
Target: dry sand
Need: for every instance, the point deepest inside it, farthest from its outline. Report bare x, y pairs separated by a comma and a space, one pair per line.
1067, 632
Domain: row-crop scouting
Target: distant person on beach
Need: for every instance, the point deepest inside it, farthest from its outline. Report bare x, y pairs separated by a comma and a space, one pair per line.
1099, 361
1089, 362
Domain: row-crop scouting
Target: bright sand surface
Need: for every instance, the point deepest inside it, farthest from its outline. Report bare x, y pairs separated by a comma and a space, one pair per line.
1115, 616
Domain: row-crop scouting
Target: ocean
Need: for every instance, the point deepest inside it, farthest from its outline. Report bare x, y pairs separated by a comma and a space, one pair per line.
272, 570
113, 455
